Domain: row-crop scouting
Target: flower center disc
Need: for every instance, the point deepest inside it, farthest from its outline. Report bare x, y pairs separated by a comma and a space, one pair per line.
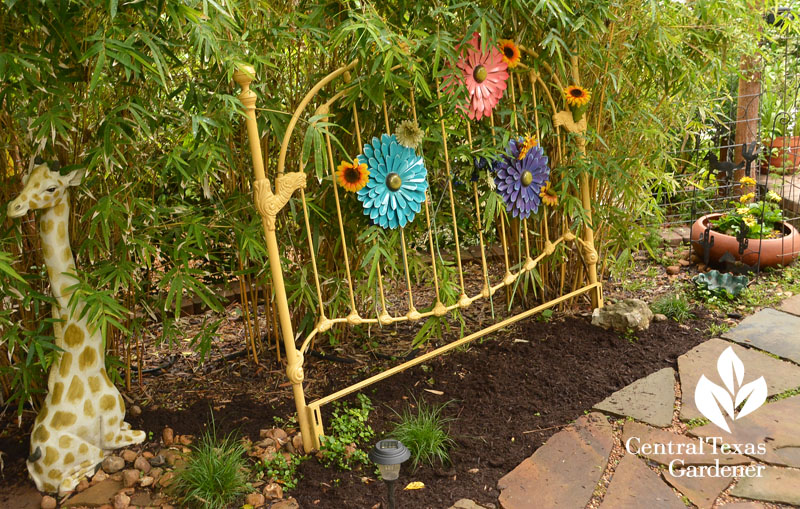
527, 178
352, 175
393, 181
508, 51
480, 74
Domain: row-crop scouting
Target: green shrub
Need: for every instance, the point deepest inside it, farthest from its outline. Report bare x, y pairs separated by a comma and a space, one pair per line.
425, 431
673, 306
348, 429
215, 473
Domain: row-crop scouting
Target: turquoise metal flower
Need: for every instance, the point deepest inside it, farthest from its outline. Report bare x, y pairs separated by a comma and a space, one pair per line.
397, 182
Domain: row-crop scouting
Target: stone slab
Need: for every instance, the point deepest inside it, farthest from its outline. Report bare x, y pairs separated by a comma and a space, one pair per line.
564, 471
466, 503
675, 236
779, 485
634, 486
650, 399
791, 305
683, 448
94, 496
702, 360
773, 331
701, 491
743, 505
775, 425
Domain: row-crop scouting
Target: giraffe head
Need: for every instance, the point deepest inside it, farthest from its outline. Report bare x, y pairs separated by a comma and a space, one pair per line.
44, 187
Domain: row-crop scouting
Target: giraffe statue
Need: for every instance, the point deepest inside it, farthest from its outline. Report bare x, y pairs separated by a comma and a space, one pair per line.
81, 420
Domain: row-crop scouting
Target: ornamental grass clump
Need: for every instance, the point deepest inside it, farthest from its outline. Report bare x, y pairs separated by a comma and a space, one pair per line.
215, 474
753, 219
425, 431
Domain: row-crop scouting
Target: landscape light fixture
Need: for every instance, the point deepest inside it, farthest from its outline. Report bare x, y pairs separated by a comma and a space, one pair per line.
389, 455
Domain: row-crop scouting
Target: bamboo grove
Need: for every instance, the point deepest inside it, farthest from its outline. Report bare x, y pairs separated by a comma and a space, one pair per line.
141, 95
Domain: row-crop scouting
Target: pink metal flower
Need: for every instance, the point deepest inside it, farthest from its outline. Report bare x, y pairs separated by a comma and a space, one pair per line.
484, 74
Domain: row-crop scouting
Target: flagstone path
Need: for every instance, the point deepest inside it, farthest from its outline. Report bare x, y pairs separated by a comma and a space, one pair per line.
619, 455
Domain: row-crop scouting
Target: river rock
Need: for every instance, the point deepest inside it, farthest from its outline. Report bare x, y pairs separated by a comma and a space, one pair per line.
113, 464
623, 315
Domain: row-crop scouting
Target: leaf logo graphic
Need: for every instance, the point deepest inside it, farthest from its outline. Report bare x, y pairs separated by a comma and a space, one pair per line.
712, 400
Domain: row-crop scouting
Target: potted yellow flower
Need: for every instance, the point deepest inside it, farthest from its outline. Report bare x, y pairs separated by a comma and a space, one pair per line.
771, 241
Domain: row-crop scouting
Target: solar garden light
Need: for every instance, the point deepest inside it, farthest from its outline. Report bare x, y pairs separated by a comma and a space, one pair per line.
389, 455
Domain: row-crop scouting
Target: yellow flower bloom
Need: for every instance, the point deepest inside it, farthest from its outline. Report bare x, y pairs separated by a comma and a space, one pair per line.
747, 181
742, 211
352, 176
577, 96
510, 52
549, 197
773, 196
530, 142
749, 221
747, 197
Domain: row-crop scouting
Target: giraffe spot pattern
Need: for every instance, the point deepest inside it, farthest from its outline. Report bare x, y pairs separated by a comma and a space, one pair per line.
42, 414
121, 403
88, 408
87, 358
58, 390
106, 379
86, 463
61, 230
38, 468
40, 434
108, 436
65, 441
49, 488
107, 402
75, 392
83, 449
68, 459
94, 383
66, 254
47, 226
60, 208
62, 419
51, 456
54, 474
65, 364
73, 336
113, 421
47, 251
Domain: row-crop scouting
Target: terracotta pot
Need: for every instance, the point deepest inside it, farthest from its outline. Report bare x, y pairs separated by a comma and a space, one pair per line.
787, 154
780, 251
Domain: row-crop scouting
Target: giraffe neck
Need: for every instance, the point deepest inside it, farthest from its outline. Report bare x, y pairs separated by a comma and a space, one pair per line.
54, 232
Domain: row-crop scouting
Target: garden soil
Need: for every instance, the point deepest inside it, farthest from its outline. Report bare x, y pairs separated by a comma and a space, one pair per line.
507, 395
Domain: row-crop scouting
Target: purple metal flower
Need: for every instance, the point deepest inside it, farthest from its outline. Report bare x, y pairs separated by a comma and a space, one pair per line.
519, 179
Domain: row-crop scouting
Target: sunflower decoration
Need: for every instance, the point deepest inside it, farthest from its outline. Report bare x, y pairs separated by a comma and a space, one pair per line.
510, 52
548, 195
528, 144
409, 134
352, 176
577, 99
397, 182
520, 180
484, 74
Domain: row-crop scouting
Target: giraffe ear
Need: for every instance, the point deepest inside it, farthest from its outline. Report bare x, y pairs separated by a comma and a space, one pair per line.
75, 177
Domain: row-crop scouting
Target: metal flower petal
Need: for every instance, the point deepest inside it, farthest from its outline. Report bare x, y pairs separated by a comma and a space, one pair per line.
484, 74
397, 182
519, 181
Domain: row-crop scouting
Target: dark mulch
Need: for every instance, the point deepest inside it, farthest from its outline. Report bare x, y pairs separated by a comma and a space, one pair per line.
509, 394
